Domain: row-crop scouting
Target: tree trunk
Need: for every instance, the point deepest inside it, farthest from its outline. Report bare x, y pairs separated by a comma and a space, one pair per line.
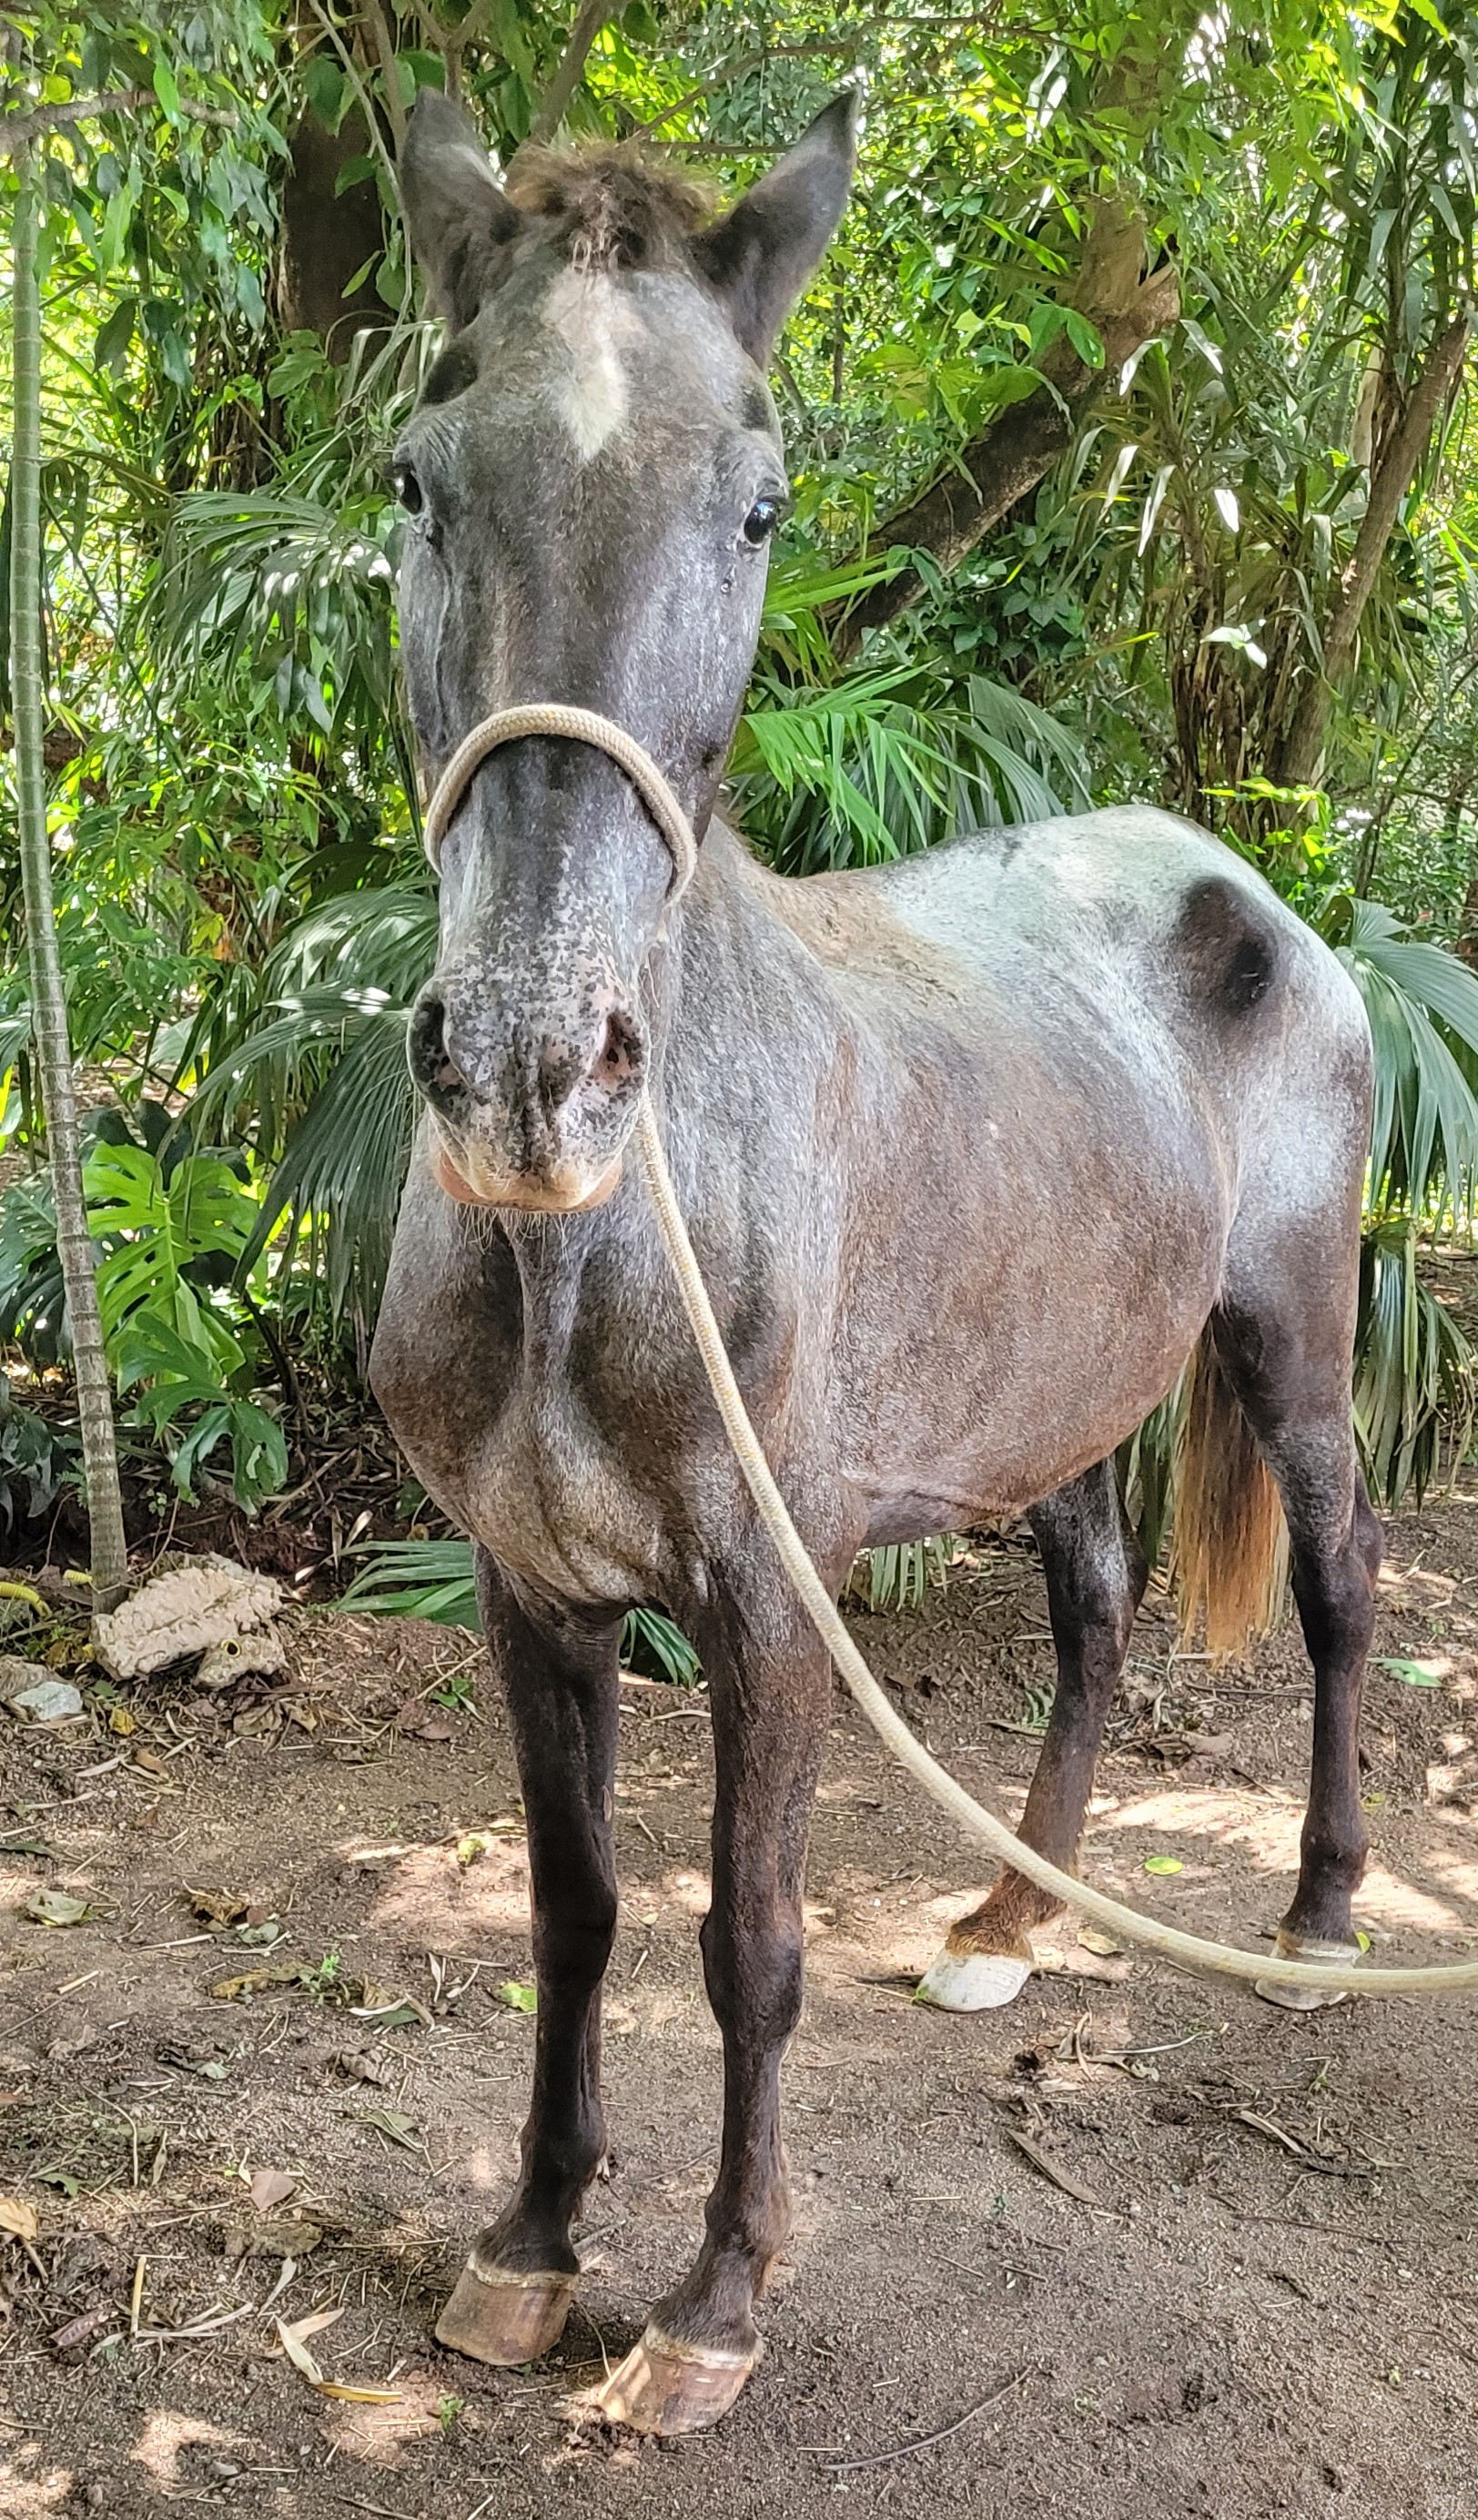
1299, 757
1011, 455
99, 1464
1467, 924
328, 237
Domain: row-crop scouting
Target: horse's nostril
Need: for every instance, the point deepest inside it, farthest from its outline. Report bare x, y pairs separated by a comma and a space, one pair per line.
432, 1067
618, 1056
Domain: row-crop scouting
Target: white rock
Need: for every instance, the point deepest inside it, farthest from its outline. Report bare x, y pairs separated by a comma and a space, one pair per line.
45, 1699
172, 1617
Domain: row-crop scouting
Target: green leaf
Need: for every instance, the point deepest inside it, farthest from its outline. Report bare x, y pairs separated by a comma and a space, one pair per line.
328, 89
1417, 1675
1084, 338
112, 345
518, 1996
166, 88
1163, 1863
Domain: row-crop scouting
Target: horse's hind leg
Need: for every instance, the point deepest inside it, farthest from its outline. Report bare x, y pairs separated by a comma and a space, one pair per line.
1291, 1375
560, 1672
1095, 1574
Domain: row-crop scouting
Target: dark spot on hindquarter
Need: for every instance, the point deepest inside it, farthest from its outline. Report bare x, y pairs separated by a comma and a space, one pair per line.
1225, 946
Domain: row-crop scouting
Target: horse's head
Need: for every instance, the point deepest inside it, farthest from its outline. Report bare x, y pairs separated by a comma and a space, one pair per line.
592, 479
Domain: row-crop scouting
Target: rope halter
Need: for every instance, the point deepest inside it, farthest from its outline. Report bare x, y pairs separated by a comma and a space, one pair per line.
578, 726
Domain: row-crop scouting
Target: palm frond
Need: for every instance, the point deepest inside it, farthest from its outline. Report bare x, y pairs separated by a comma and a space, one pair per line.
1415, 1374
1422, 1005
889, 760
432, 1579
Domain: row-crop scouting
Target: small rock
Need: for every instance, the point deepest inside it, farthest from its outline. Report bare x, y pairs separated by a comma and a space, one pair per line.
29, 1689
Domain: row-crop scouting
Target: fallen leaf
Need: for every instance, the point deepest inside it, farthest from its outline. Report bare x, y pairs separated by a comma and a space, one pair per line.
292, 2335
218, 1906
269, 2188
392, 2123
119, 1721
19, 2219
289, 2236
239, 1989
81, 2331
1417, 1675
57, 1907
1094, 1939
151, 1764
1052, 2169
361, 2065
481, 1841
518, 1996
296, 2349
425, 1722
386, 2011
1163, 1863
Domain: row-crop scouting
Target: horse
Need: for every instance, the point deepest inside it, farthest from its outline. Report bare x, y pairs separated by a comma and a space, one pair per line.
978, 1149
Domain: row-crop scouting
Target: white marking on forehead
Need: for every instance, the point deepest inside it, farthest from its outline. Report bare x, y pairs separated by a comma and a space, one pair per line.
596, 321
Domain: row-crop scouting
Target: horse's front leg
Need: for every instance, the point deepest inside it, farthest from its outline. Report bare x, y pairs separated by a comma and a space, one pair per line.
559, 1667
769, 1682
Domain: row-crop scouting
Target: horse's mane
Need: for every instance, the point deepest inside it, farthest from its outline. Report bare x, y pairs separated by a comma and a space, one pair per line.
613, 208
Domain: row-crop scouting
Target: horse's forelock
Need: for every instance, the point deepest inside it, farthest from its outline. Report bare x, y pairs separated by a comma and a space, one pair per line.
609, 205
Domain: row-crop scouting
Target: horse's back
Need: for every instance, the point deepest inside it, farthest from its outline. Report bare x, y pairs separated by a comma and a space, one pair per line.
1130, 920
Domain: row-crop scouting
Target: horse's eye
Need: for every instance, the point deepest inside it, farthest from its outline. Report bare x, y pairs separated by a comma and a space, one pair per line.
406, 489
761, 521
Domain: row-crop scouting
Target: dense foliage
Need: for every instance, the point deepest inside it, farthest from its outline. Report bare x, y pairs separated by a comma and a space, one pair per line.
1133, 456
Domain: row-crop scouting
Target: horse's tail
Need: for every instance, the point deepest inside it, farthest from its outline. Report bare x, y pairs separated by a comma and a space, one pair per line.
1229, 1559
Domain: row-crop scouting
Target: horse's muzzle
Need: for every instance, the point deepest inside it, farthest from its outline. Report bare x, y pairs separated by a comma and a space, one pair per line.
524, 1119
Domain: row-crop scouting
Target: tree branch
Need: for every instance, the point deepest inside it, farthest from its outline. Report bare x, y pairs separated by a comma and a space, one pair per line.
1298, 757
830, 49
593, 15
17, 130
1010, 456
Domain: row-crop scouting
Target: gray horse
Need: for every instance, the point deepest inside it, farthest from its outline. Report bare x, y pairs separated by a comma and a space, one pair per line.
973, 1150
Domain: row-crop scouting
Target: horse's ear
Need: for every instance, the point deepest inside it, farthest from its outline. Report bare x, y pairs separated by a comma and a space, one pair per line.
760, 257
461, 224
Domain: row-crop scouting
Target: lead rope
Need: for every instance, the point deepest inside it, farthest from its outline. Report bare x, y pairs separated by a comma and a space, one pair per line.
1190, 1951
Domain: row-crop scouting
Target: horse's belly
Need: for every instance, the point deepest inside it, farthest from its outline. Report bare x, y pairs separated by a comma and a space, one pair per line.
990, 1386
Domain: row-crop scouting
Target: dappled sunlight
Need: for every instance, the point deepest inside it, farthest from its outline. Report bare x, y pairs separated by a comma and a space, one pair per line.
27, 2490
691, 1891
166, 2432
1384, 1900
379, 2436
426, 1894
480, 2168
1265, 1831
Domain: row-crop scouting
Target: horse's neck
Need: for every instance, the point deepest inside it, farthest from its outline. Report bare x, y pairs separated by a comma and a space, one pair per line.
751, 1018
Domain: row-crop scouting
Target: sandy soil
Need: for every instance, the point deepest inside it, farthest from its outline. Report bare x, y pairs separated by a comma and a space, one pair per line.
1256, 2295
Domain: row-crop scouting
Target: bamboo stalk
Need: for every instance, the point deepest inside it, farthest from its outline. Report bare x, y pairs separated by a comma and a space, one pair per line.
59, 1102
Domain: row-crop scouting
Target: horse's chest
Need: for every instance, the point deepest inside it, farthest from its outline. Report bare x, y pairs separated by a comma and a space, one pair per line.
546, 1495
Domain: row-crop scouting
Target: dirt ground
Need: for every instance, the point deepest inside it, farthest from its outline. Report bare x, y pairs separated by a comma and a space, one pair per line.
1256, 2292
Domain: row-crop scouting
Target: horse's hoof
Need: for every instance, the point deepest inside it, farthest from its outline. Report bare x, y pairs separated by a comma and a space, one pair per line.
1305, 1998
667, 2387
973, 1981
501, 2318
